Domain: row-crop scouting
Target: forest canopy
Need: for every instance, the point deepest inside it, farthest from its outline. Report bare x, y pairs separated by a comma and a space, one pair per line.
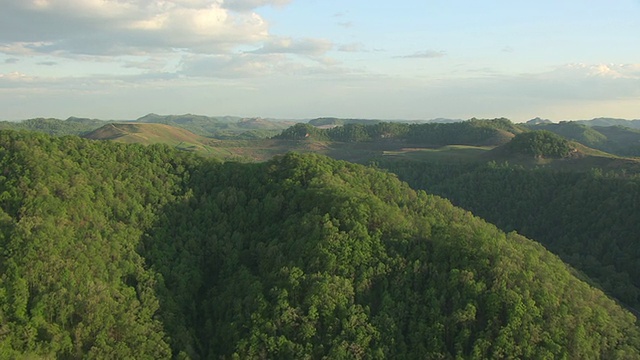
127, 251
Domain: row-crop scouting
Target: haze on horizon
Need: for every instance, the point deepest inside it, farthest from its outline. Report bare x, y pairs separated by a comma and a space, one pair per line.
407, 59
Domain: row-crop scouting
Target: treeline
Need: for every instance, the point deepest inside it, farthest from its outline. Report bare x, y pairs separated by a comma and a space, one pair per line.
124, 251
539, 144
470, 132
614, 139
71, 126
588, 218
224, 128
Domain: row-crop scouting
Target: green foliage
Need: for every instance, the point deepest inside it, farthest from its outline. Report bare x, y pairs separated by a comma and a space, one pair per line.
338, 122
225, 127
471, 132
71, 283
125, 251
301, 131
71, 126
614, 139
220, 127
540, 144
572, 130
304, 257
588, 218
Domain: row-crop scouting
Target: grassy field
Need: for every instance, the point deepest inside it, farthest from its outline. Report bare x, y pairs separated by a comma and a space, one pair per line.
445, 153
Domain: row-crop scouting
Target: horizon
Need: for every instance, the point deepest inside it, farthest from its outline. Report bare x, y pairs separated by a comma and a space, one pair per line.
293, 59
555, 121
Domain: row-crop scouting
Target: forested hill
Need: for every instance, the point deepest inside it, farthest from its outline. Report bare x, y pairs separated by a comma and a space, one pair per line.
71, 126
587, 217
471, 132
615, 139
220, 127
118, 251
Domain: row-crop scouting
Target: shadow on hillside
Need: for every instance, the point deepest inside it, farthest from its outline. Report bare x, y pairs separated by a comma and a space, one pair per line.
176, 249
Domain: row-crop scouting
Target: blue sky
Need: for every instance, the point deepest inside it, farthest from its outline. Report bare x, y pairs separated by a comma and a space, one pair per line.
300, 59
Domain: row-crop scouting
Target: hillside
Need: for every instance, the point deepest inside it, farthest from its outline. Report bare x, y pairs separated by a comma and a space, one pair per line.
606, 122
249, 150
329, 122
619, 140
471, 132
581, 209
113, 250
71, 126
221, 127
151, 134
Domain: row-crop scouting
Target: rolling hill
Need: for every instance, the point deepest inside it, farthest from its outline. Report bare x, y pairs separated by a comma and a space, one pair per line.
151, 134
606, 122
111, 250
474, 141
221, 127
71, 126
181, 139
615, 139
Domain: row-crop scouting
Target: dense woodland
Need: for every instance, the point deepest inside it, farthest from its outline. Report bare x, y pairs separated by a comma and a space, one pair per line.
470, 132
615, 139
70, 126
588, 218
127, 251
220, 127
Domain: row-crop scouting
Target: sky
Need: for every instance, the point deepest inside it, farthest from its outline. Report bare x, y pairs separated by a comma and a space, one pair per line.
302, 59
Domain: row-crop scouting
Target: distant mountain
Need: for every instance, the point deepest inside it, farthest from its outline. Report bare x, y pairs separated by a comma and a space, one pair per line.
327, 122
220, 127
141, 133
151, 134
186, 119
538, 121
473, 132
634, 124
331, 121
617, 139
71, 126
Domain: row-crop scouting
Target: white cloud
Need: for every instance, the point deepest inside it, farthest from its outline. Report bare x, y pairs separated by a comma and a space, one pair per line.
427, 54
126, 27
345, 24
352, 47
287, 45
231, 66
272, 80
14, 76
247, 5
252, 65
583, 82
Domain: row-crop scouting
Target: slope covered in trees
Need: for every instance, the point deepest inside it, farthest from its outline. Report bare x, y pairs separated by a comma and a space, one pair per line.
587, 217
615, 139
72, 214
470, 132
222, 127
71, 126
540, 144
124, 251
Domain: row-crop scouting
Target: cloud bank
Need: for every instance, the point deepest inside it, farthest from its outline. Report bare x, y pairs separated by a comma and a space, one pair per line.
129, 27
